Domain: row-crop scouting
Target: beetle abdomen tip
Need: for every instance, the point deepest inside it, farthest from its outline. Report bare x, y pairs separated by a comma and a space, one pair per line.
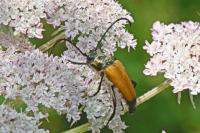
131, 105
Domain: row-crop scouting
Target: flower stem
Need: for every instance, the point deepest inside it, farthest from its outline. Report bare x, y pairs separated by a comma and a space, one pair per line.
145, 97
81, 129
52, 42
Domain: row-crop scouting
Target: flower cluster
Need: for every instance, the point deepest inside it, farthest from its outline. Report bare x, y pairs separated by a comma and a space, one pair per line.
18, 122
8, 41
40, 79
25, 15
175, 51
89, 19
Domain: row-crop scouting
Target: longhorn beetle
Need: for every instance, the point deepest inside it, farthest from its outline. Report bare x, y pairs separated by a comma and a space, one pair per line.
112, 68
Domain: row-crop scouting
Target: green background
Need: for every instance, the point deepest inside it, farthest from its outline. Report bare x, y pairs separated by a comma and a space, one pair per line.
161, 112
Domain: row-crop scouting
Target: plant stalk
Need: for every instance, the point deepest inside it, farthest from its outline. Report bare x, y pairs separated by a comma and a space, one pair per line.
150, 94
52, 42
80, 129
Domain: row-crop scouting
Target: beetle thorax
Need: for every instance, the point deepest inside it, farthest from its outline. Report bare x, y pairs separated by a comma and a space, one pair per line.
100, 61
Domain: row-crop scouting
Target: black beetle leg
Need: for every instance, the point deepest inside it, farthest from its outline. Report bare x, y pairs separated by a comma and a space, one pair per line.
114, 105
99, 87
78, 63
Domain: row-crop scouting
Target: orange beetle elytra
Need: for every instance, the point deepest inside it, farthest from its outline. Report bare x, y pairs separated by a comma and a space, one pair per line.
117, 74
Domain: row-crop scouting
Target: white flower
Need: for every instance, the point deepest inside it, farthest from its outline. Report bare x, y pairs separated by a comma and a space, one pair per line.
175, 51
12, 121
89, 19
25, 15
41, 79
8, 41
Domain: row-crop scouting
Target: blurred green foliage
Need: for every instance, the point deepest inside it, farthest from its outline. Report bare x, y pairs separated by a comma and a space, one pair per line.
162, 112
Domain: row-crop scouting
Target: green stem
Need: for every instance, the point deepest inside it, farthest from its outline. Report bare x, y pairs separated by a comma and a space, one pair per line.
52, 42
150, 94
145, 97
81, 129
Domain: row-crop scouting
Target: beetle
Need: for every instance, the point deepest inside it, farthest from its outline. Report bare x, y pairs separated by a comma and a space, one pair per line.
112, 68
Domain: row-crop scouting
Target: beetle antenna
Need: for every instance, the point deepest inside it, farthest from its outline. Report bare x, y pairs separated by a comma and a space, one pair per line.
72, 45
99, 44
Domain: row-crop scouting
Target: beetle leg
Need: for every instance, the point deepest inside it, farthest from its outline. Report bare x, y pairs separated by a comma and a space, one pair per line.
122, 106
78, 63
134, 83
114, 105
99, 87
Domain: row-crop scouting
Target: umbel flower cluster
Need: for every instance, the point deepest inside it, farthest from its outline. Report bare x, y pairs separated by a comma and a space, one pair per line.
86, 18
175, 51
19, 122
39, 79
53, 82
